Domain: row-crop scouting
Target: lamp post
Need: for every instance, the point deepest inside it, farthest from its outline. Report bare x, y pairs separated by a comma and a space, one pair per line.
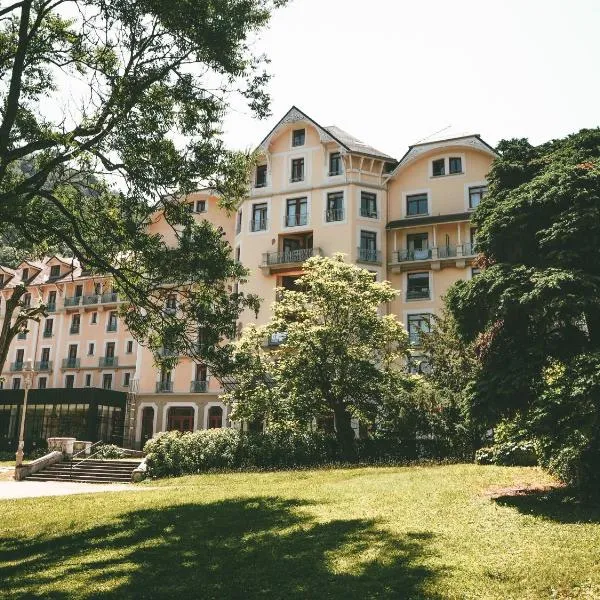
27, 381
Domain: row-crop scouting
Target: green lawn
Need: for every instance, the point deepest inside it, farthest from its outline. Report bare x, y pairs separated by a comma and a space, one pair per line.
413, 532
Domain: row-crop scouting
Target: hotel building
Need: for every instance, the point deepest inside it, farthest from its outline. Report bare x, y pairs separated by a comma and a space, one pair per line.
315, 191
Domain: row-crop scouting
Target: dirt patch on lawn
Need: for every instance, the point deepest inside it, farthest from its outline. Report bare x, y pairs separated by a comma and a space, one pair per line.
519, 489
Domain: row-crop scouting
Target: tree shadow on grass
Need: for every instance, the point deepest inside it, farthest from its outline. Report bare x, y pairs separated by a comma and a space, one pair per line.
556, 504
244, 548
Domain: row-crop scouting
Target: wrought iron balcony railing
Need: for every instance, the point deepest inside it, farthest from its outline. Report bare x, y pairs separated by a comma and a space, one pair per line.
73, 301
16, 366
370, 255
110, 298
258, 225
415, 254
199, 386
71, 363
164, 386
334, 214
43, 365
108, 361
296, 220
290, 256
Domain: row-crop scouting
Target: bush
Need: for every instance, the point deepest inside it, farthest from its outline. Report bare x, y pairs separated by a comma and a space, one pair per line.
508, 454
109, 451
174, 453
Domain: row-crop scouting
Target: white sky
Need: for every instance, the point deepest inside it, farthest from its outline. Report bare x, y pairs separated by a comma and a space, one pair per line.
392, 72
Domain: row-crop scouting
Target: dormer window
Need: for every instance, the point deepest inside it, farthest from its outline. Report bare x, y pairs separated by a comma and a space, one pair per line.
261, 176
438, 167
455, 165
25, 275
298, 137
54, 271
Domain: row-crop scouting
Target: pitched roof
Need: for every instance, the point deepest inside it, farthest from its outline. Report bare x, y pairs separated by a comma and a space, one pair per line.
326, 134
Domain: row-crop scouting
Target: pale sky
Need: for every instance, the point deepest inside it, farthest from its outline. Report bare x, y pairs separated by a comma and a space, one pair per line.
392, 72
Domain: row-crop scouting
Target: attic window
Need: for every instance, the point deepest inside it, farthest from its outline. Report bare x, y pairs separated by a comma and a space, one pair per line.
438, 167
55, 271
298, 137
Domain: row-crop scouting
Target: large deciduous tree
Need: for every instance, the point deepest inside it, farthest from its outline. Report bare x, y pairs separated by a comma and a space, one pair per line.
339, 355
111, 110
535, 307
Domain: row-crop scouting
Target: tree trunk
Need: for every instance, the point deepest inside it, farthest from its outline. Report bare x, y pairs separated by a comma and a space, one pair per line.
344, 433
8, 331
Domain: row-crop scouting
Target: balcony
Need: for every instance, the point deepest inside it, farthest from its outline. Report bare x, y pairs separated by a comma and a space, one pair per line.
258, 225
334, 214
71, 363
110, 298
108, 361
91, 299
74, 329
164, 387
51, 307
43, 365
48, 333
414, 255
199, 387
16, 366
297, 220
369, 214
448, 251
276, 260
72, 301
111, 327
369, 255
457, 254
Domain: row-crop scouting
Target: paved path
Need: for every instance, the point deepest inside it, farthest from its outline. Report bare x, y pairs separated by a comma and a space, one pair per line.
12, 490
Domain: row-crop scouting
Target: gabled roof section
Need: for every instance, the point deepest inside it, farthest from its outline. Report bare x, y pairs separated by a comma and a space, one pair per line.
326, 134
472, 141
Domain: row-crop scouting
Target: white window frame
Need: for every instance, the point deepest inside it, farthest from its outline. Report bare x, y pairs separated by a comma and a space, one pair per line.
299, 228
408, 193
446, 157
266, 201
469, 185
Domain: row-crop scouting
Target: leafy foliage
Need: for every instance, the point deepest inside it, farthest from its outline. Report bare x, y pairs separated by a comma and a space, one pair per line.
536, 303
112, 113
341, 358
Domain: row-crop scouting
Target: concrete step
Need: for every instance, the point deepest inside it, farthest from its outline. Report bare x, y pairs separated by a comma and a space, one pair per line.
42, 475
90, 471
67, 467
81, 480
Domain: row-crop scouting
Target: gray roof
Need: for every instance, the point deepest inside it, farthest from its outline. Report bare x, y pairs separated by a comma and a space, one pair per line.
354, 144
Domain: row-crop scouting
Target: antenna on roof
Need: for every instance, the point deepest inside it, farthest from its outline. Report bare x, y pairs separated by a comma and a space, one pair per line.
434, 133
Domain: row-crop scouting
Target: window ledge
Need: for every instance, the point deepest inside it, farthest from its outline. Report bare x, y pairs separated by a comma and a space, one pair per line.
446, 175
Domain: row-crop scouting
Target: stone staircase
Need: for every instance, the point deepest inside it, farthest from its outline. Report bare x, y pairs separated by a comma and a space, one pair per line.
88, 471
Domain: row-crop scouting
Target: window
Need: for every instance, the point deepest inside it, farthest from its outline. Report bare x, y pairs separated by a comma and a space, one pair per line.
78, 291
261, 176
42, 381
25, 275
335, 207
88, 380
94, 319
126, 379
16, 383
297, 169
416, 204
110, 350
45, 358
91, 349
75, 323
215, 417
112, 321
455, 165
171, 304
129, 349
417, 325
438, 167
368, 247
27, 300
335, 163
51, 300
55, 271
1, 279
19, 358
476, 194
107, 381
200, 206
298, 137
70, 381
259, 217
417, 286
72, 352
475, 271
368, 205
48, 327
417, 246
238, 225
296, 212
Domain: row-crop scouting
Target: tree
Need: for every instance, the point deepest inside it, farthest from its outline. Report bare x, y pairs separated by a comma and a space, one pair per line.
536, 302
111, 110
338, 354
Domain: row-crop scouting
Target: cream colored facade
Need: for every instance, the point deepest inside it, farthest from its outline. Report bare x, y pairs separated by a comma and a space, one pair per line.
316, 190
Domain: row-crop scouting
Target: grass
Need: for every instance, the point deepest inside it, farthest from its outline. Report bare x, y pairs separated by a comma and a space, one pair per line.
403, 532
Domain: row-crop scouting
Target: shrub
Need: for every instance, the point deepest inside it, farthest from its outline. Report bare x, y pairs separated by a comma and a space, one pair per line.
109, 451
508, 454
174, 453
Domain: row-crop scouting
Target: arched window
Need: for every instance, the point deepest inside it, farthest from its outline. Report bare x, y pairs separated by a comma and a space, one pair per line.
215, 417
181, 418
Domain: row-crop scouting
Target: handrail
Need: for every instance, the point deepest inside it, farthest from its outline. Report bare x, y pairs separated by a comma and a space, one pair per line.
82, 452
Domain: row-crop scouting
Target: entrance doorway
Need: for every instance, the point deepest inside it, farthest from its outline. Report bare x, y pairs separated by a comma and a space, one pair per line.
147, 424
180, 418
